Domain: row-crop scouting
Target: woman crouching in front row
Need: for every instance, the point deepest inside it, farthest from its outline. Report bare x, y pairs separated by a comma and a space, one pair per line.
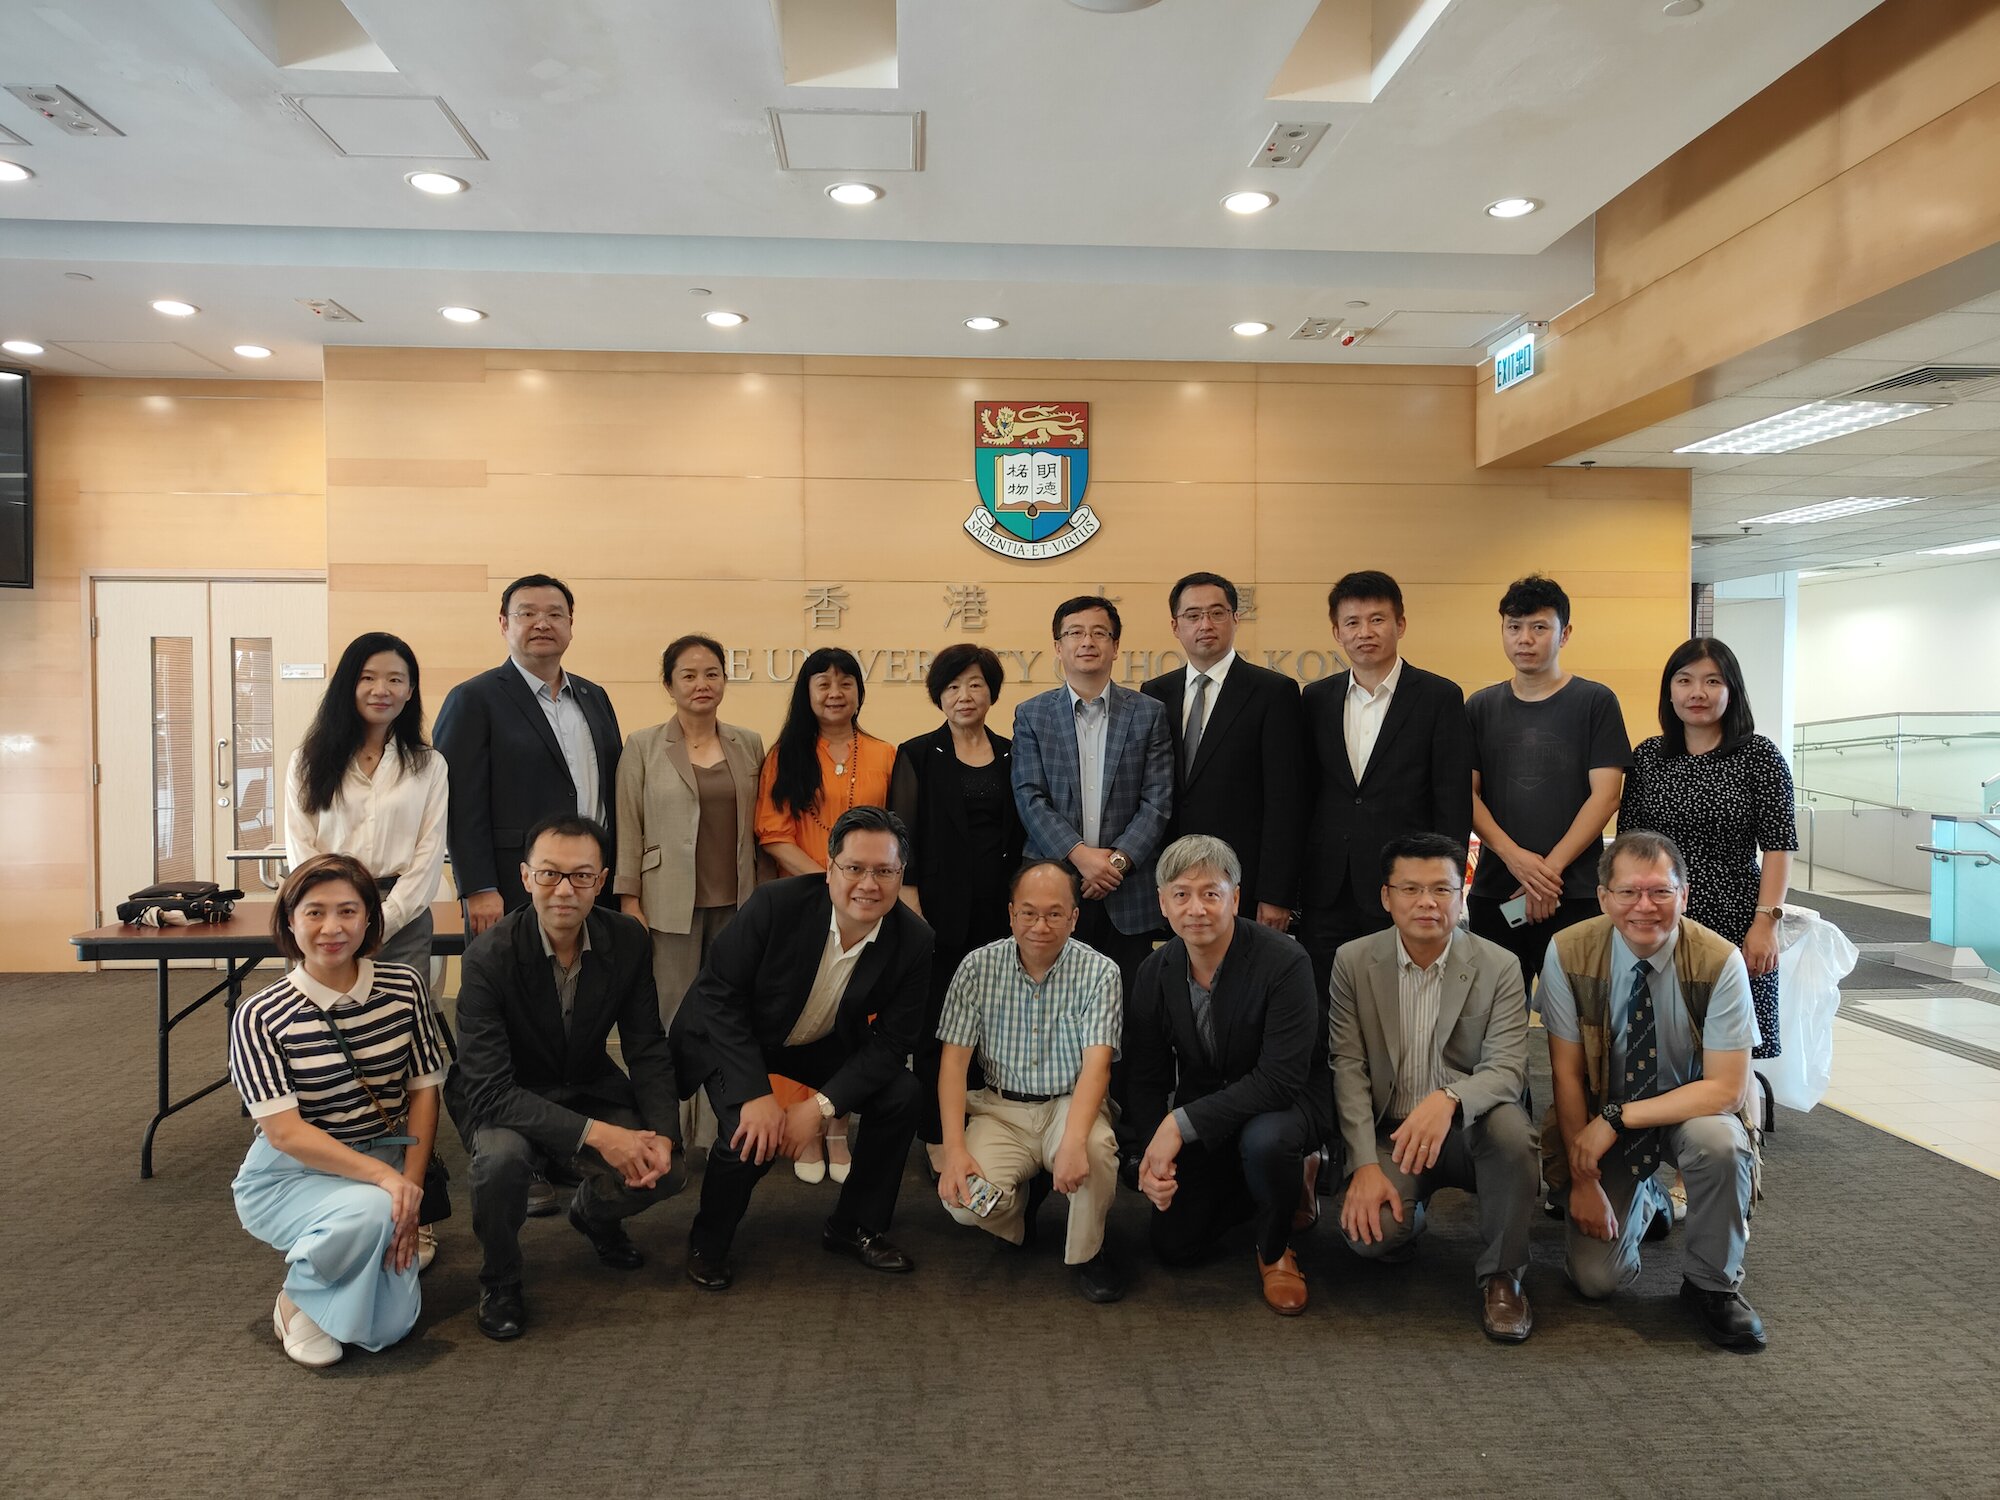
339, 1063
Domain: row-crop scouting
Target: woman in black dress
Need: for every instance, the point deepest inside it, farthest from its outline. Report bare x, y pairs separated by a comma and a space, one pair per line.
954, 789
1721, 791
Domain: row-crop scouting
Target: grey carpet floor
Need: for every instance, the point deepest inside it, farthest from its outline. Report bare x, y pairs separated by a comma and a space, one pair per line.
1864, 923
139, 1360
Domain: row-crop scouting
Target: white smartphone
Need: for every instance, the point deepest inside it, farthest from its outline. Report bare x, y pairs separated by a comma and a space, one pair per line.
1515, 911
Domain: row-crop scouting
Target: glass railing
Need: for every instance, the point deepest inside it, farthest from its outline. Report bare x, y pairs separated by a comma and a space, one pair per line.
1965, 885
1942, 762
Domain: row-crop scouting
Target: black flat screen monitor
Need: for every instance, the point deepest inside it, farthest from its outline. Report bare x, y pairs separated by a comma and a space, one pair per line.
17, 486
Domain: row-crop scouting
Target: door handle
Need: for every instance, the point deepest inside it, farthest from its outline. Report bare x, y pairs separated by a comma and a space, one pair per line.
221, 775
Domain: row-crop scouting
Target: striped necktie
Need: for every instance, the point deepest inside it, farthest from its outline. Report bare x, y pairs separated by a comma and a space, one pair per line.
1636, 1153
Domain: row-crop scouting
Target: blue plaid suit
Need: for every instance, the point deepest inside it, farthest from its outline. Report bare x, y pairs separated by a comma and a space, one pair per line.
1138, 794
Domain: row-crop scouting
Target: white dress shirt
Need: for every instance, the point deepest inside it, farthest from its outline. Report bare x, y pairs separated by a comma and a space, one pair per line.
1214, 674
1362, 717
393, 822
830, 983
1419, 993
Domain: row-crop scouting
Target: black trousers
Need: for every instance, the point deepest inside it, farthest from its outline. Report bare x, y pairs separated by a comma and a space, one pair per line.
1328, 927
1095, 929
880, 1143
503, 1160
1529, 944
1255, 1174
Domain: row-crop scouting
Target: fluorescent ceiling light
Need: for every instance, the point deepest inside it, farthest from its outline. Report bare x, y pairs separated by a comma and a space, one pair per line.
1513, 208
461, 314
1830, 510
13, 171
175, 309
1803, 426
1249, 330
253, 351
723, 319
984, 324
1248, 203
21, 346
854, 194
438, 184
1964, 549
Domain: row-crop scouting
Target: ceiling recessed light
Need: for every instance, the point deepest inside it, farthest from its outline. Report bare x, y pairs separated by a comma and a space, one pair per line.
1680, 7
461, 314
1802, 426
1964, 549
984, 324
1357, 302
253, 351
1512, 208
854, 194
1248, 203
437, 184
1251, 329
175, 309
13, 171
21, 346
719, 319
78, 276
1830, 510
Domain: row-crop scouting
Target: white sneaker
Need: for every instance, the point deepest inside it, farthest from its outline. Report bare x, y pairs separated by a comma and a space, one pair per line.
305, 1341
427, 1247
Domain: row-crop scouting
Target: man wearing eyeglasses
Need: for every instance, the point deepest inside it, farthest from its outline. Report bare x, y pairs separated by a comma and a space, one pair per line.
1650, 1029
534, 1089
820, 978
1429, 1030
1238, 741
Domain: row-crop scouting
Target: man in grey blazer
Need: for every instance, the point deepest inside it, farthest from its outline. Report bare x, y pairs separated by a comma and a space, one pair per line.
1429, 1028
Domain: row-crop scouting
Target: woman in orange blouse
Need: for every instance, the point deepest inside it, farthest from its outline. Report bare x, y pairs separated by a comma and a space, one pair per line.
821, 765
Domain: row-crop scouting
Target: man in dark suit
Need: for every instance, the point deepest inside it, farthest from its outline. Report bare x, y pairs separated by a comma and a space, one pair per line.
523, 742
1389, 753
1223, 1025
1238, 745
821, 979
534, 1088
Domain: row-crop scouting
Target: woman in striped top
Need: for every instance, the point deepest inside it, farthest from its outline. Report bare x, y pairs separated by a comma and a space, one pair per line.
339, 1063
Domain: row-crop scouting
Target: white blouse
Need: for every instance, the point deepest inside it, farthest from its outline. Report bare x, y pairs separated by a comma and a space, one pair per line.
393, 822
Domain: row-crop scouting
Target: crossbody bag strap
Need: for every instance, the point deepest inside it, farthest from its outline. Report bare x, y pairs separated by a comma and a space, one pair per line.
354, 1067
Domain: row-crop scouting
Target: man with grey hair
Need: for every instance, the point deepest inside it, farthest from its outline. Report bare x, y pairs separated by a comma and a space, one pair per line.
1650, 1030
1229, 1083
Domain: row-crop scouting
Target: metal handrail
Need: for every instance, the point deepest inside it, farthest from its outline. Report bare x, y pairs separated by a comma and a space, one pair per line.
1981, 857
1943, 713
1808, 791
1893, 738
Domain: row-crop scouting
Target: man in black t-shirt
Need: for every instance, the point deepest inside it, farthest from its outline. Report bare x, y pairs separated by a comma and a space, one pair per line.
1549, 756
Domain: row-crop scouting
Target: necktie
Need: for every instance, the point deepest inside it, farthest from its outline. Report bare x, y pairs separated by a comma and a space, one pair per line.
1191, 740
1636, 1152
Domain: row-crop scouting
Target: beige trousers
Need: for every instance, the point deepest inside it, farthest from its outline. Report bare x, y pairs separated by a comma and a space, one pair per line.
677, 958
1012, 1142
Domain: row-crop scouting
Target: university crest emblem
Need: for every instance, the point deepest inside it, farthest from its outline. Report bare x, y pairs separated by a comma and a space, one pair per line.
1032, 465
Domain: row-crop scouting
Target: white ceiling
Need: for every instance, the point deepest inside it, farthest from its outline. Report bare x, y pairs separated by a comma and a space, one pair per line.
1073, 164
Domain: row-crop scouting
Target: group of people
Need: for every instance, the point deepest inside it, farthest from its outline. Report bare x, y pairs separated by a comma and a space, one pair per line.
1205, 936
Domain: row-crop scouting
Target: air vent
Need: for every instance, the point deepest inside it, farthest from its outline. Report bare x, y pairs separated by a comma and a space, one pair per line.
327, 310
1931, 383
1289, 144
63, 109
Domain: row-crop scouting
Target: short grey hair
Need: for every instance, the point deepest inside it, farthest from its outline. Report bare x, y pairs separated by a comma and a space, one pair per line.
1197, 851
1645, 846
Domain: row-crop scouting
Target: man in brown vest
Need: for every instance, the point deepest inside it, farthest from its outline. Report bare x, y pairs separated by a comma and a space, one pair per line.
1650, 1030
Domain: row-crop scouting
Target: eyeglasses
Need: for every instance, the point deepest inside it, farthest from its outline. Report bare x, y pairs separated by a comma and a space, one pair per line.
1437, 892
1215, 614
1659, 895
1041, 918
535, 616
579, 880
1087, 633
880, 872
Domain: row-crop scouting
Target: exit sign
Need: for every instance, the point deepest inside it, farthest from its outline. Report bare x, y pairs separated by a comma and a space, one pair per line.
1514, 361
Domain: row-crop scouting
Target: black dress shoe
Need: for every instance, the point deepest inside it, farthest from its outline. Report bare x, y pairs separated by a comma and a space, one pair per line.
541, 1197
873, 1250
501, 1312
1100, 1278
613, 1245
709, 1272
1725, 1317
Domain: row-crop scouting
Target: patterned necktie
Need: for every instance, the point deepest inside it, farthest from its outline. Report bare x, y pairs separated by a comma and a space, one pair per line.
1191, 740
1637, 1152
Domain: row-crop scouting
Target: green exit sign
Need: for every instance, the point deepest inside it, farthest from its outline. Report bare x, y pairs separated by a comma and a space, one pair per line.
1514, 361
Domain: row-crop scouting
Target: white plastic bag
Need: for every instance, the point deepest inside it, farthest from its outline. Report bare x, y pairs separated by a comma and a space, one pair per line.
1813, 957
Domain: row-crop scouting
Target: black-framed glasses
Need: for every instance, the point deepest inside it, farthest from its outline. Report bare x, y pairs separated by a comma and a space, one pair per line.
579, 880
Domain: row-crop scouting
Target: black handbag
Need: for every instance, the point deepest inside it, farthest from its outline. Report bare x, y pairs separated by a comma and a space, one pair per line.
437, 1180
180, 903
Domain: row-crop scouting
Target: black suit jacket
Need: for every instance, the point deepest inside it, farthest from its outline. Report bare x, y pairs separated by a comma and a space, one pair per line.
1270, 1039
1247, 785
508, 773
1418, 780
758, 974
924, 792
515, 1065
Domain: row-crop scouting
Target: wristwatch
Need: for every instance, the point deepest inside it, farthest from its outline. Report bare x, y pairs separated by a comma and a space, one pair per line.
826, 1109
1120, 863
1613, 1114
1775, 913
1452, 1094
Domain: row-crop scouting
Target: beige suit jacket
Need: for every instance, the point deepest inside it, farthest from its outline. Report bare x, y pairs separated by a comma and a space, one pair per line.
659, 814
1482, 1019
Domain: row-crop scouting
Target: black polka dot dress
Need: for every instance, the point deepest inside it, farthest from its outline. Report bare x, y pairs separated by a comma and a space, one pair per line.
1720, 808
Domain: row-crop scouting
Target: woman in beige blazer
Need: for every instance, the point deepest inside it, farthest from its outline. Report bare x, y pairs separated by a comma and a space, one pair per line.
687, 801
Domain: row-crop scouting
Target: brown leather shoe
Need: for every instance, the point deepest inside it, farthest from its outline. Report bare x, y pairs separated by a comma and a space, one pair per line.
1307, 1213
1284, 1284
1504, 1311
